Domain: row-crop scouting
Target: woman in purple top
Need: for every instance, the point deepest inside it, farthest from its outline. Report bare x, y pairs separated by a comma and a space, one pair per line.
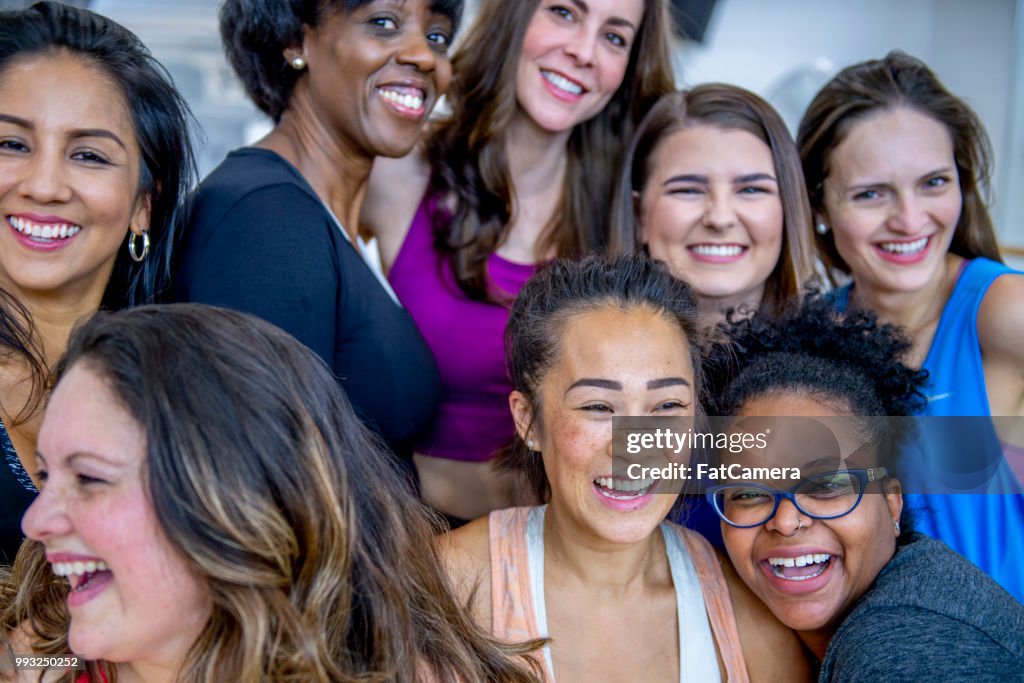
544, 96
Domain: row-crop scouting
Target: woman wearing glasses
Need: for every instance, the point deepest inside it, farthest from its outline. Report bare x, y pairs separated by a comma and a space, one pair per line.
833, 557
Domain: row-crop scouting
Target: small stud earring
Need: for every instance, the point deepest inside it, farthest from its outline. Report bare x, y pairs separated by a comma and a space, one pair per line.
821, 229
896, 523
298, 63
529, 444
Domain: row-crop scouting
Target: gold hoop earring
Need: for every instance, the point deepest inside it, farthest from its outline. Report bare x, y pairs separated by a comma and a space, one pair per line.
133, 249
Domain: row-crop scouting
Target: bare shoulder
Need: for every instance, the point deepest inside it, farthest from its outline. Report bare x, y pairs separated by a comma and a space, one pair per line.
1001, 316
466, 557
1000, 330
394, 192
772, 651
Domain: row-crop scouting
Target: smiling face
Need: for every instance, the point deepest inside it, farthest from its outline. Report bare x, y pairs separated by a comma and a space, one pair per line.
892, 198
711, 210
573, 59
611, 362
69, 177
375, 73
847, 553
133, 597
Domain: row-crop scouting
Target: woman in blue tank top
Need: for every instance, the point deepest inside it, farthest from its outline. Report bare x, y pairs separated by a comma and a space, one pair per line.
897, 169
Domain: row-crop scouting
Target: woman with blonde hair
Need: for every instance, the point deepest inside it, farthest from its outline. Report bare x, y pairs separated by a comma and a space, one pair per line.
212, 510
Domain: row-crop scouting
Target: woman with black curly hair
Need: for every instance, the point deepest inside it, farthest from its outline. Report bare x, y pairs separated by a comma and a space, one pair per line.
833, 557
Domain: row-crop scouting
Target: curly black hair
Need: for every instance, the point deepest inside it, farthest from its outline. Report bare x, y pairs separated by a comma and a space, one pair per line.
813, 347
847, 360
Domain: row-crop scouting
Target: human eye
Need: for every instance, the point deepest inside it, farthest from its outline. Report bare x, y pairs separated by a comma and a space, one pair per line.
747, 496
616, 39
384, 22
672, 405
562, 11
753, 190
440, 38
12, 145
867, 195
937, 182
829, 485
90, 157
686, 190
598, 408
87, 481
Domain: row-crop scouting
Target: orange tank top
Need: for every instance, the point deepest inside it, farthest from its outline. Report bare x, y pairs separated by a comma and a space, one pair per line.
517, 613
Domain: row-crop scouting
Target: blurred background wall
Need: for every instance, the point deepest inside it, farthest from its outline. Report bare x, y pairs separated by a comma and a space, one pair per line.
782, 49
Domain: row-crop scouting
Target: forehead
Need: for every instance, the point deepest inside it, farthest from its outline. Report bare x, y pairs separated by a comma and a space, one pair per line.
84, 415
64, 91
613, 340
893, 142
802, 430
713, 147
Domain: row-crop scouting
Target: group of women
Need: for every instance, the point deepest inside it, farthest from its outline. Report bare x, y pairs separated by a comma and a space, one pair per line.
212, 497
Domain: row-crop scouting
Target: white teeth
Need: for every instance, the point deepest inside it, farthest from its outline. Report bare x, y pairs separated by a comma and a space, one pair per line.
78, 568
717, 249
562, 83
800, 561
44, 231
630, 486
904, 247
408, 101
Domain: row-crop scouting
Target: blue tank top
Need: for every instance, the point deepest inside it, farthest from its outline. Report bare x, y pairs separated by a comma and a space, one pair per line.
987, 525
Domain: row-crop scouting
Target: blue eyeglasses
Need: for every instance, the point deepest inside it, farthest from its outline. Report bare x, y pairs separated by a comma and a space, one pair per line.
824, 496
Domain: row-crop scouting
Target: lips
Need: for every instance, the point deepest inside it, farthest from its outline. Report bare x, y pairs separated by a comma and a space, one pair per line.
903, 251
799, 570
712, 252
563, 87
43, 234
406, 100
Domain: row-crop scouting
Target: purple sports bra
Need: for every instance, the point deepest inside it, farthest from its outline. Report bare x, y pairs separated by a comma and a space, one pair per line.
466, 338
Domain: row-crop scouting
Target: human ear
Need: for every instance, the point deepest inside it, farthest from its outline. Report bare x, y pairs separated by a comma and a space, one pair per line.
522, 415
893, 491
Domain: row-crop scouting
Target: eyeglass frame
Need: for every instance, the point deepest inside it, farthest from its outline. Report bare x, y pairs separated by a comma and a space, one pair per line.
865, 476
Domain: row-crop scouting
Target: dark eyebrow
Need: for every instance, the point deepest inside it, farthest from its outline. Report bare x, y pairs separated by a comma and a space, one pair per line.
77, 133
599, 383
96, 133
17, 121
755, 177
687, 178
667, 382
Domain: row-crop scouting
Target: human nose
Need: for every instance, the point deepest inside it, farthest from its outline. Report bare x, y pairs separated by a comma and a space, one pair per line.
908, 215
788, 520
44, 180
581, 46
417, 51
719, 213
46, 517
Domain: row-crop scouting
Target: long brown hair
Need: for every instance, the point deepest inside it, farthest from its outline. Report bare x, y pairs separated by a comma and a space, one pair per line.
731, 108
468, 150
316, 553
899, 80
